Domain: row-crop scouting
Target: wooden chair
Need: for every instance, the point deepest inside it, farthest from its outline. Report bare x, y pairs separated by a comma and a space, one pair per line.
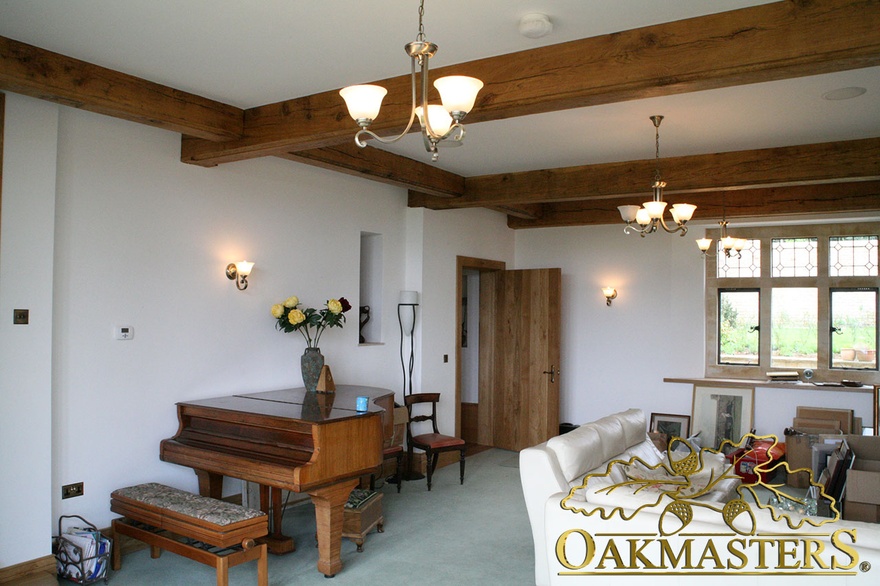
431, 443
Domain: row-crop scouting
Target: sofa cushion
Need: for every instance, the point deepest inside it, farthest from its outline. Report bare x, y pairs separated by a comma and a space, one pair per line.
576, 451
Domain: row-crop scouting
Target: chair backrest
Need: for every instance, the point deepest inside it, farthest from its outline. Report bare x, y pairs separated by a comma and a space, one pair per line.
410, 400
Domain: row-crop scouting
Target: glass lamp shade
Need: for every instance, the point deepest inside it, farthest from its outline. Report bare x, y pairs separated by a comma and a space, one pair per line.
704, 244
739, 244
727, 242
628, 213
682, 212
643, 218
458, 93
363, 101
439, 118
244, 267
655, 209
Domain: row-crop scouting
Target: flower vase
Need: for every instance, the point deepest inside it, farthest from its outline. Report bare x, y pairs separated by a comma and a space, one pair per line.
312, 362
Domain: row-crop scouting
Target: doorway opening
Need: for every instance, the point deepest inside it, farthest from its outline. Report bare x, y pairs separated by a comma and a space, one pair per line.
471, 316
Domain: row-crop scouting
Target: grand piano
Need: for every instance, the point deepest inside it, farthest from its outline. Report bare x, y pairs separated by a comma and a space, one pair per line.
291, 439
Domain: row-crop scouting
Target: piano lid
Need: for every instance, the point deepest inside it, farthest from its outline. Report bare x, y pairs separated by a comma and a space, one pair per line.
300, 404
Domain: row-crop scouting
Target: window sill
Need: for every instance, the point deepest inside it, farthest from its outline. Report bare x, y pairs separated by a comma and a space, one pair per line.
748, 383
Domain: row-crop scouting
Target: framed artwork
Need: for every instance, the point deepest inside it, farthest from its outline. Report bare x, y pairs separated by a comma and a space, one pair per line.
671, 425
721, 413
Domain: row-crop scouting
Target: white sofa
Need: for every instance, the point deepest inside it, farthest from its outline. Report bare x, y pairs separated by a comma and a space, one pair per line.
576, 487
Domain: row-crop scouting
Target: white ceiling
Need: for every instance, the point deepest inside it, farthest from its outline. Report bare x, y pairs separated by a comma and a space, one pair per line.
253, 52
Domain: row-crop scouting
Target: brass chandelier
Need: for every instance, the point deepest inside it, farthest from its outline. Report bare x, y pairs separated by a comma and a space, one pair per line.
648, 217
439, 123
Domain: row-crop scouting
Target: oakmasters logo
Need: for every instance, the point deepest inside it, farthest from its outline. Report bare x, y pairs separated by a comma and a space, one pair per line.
693, 515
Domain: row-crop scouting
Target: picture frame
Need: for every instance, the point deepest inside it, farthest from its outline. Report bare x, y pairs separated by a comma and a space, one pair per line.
671, 424
722, 413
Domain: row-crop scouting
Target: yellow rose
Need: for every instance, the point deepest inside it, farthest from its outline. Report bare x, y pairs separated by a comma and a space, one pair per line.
334, 306
277, 310
291, 302
296, 317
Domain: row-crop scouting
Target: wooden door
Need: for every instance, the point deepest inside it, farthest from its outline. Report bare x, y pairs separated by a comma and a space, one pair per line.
519, 329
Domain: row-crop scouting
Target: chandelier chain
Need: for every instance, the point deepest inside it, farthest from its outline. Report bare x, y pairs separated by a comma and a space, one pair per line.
421, 35
657, 120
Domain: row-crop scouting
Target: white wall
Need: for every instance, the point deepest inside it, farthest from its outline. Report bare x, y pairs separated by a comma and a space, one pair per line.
26, 250
614, 358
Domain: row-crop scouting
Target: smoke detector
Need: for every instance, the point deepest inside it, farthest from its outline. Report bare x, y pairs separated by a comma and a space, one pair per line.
535, 25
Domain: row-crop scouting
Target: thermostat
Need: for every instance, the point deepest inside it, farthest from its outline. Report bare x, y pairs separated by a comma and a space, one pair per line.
124, 332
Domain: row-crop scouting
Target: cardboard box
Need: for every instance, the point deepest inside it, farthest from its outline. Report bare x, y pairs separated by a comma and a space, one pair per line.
862, 491
798, 454
843, 417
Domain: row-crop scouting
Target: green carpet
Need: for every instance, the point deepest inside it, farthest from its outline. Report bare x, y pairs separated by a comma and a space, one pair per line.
476, 533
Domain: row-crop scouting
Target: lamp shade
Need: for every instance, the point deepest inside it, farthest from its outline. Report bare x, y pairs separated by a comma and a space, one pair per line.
409, 298
643, 218
439, 118
363, 101
628, 213
243, 267
655, 208
682, 212
458, 92
704, 243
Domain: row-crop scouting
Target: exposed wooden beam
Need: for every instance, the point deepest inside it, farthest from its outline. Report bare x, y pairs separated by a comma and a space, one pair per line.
829, 198
35, 72
803, 164
761, 43
383, 166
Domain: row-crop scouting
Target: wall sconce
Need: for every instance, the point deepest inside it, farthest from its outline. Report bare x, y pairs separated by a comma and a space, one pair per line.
609, 293
238, 272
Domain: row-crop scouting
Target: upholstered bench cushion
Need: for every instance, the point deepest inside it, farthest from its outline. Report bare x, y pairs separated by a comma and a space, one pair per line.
190, 505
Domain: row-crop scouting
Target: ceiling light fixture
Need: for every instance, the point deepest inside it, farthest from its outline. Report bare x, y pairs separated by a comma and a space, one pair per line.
650, 215
457, 92
730, 245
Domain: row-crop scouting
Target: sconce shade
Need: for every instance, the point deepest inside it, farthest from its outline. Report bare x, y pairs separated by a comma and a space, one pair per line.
609, 293
363, 101
244, 267
458, 93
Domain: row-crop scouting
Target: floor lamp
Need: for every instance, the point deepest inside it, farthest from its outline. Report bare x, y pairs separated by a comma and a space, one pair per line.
406, 317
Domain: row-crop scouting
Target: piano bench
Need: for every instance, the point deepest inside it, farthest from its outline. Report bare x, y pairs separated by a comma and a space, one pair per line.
209, 531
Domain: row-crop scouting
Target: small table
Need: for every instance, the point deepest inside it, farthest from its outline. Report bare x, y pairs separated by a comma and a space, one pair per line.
362, 513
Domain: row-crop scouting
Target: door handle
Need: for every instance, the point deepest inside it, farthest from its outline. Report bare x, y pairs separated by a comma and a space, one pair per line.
552, 372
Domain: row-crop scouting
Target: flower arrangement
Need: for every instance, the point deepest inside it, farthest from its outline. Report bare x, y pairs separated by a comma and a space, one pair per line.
309, 322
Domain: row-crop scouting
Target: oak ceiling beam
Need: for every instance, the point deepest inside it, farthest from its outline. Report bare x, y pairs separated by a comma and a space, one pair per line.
35, 72
762, 43
803, 164
384, 167
828, 198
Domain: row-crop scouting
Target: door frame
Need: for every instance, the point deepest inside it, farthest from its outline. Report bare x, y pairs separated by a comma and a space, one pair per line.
482, 265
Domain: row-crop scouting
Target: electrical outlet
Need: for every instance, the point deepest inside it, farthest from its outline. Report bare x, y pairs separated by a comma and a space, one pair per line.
72, 490
20, 316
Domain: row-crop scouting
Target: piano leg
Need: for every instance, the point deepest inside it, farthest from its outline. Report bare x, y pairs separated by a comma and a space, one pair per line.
277, 542
210, 484
329, 510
